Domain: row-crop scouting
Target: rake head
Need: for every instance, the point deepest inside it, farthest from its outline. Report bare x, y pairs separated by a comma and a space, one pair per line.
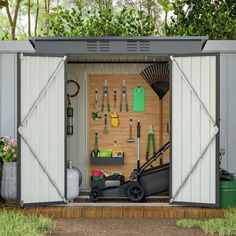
157, 76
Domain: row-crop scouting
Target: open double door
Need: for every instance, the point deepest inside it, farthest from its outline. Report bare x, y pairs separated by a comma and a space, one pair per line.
42, 130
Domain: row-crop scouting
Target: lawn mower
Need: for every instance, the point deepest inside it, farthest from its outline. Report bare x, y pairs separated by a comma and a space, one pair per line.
144, 181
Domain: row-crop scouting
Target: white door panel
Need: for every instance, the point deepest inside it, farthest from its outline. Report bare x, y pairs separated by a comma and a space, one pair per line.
194, 129
42, 129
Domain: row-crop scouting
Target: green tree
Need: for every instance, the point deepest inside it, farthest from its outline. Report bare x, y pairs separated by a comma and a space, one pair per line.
4, 26
166, 7
13, 15
3, 3
217, 19
80, 21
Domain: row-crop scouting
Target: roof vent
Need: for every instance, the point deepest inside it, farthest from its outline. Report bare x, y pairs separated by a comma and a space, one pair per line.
97, 46
137, 46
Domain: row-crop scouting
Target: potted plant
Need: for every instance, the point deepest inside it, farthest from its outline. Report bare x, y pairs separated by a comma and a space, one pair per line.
227, 186
8, 154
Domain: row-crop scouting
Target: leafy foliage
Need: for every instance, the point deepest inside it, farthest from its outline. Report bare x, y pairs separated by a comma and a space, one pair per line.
3, 3
79, 21
217, 19
224, 226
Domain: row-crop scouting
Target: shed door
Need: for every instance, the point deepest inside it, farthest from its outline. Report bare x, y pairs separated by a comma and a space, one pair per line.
194, 139
42, 130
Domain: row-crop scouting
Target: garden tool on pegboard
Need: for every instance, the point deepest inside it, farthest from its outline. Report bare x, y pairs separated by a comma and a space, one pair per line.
95, 152
105, 129
95, 113
151, 139
130, 139
115, 98
114, 117
70, 110
123, 97
105, 97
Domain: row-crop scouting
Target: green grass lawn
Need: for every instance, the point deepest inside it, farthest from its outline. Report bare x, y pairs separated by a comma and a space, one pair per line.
18, 223
223, 226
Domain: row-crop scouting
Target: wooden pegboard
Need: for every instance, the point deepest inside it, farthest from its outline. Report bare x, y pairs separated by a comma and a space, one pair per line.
121, 133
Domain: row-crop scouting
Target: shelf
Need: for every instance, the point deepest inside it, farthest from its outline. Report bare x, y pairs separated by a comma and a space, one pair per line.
107, 160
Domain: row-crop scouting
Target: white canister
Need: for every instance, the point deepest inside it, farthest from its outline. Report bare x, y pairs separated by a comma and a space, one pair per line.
72, 183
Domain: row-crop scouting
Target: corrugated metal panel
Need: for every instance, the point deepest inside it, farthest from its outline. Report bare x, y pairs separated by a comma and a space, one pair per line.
77, 143
8, 80
44, 130
192, 130
227, 110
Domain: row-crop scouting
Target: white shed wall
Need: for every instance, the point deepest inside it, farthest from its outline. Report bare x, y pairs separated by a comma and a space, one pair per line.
228, 110
8, 100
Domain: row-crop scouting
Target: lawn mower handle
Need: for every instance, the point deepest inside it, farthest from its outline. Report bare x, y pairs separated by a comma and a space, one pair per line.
153, 158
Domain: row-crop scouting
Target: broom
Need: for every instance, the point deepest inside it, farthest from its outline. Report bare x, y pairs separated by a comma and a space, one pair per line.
158, 76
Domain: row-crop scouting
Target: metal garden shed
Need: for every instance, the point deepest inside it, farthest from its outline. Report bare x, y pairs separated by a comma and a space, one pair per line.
194, 111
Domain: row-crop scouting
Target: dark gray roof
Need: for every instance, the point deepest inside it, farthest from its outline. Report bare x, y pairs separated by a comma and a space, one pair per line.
120, 38
118, 45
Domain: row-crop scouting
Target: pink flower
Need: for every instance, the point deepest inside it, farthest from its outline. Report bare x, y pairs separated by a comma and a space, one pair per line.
5, 148
14, 155
13, 142
13, 150
3, 139
4, 153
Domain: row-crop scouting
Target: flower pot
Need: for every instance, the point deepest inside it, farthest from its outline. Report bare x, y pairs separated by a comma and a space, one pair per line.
227, 194
9, 182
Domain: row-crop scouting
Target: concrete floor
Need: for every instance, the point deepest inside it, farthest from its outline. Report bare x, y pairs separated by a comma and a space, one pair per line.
121, 227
